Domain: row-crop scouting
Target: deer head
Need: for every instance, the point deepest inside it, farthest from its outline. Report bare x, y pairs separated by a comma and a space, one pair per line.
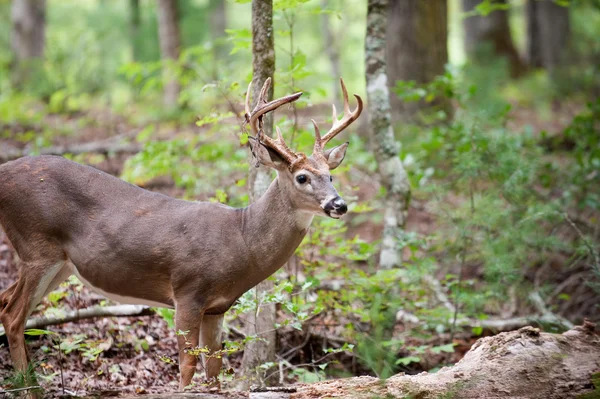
306, 180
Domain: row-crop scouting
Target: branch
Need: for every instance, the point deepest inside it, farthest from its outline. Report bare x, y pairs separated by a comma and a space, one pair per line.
552, 318
88, 313
509, 324
105, 146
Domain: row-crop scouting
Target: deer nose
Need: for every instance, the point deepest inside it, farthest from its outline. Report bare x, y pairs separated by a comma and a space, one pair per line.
336, 205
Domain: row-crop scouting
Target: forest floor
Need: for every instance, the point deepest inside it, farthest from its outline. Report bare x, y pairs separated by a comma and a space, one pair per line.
131, 355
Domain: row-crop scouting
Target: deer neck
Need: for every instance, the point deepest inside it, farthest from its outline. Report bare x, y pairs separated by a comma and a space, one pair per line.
273, 228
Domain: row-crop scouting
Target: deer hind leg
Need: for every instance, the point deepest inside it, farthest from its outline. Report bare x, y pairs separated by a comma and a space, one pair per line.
210, 337
187, 320
19, 300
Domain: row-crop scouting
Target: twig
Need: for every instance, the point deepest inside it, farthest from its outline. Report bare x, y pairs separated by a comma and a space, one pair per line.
237, 331
89, 313
589, 246
5, 391
302, 345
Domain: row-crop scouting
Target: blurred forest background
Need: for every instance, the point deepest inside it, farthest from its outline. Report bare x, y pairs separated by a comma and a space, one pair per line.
495, 109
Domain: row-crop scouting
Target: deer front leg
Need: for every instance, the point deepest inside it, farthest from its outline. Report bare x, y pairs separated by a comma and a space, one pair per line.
211, 338
187, 321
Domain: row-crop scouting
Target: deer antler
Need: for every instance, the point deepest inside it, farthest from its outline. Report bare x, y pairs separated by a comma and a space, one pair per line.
255, 120
338, 125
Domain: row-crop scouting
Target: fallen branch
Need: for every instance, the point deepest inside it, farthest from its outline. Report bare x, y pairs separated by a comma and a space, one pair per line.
552, 318
509, 324
11, 391
111, 146
88, 313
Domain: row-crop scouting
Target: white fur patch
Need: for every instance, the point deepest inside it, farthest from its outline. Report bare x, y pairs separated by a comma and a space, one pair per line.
44, 283
303, 220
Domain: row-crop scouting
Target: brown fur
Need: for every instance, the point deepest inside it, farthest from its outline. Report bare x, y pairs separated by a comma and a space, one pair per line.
198, 257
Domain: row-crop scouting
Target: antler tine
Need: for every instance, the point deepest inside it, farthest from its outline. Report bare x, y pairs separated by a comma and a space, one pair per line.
347, 119
262, 106
247, 103
280, 146
262, 97
254, 119
318, 147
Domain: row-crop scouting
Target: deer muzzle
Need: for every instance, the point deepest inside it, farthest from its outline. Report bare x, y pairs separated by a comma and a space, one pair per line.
336, 207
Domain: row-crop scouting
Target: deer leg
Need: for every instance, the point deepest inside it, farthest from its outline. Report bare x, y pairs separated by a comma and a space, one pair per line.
13, 315
19, 300
210, 336
187, 321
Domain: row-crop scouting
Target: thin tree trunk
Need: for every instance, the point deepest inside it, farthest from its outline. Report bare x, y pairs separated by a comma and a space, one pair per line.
218, 24
390, 167
417, 50
548, 31
134, 28
491, 30
169, 37
28, 36
262, 321
331, 50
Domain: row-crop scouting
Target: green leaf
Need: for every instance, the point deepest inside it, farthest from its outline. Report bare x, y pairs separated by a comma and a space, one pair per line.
37, 332
405, 361
145, 134
448, 348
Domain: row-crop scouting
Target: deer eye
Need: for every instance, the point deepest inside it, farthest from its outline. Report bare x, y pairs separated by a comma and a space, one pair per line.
301, 179
331, 178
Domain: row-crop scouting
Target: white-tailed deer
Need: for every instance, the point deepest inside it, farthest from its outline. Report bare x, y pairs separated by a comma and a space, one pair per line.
136, 246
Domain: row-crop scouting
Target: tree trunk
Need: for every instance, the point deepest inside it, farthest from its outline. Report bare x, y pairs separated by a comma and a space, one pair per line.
331, 50
548, 31
28, 36
134, 28
218, 24
169, 37
417, 49
261, 321
393, 176
491, 31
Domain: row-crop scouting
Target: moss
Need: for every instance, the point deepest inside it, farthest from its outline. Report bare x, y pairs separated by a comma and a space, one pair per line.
595, 394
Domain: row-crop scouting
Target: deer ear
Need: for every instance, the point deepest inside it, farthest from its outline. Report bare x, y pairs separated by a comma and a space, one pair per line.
265, 155
336, 155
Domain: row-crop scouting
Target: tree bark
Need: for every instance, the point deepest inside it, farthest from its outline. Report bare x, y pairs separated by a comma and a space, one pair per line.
491, 30
134, 28
548, 31
218, 24
28, 36
262, 320
520, 364
169, 37
392, 173
417, 49
330, 44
